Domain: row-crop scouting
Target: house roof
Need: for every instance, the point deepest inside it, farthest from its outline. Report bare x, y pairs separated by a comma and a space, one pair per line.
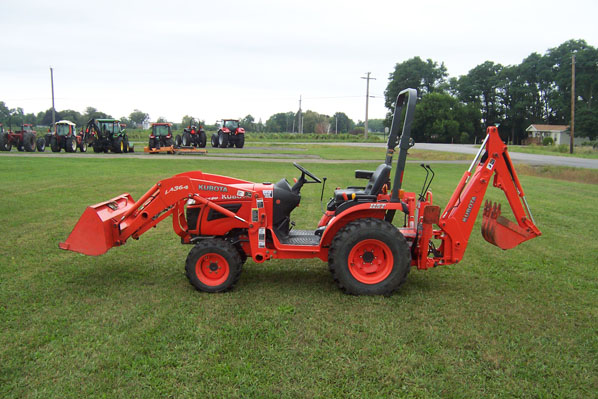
547, 128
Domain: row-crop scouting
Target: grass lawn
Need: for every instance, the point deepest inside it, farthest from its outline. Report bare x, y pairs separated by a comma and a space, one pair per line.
519, 323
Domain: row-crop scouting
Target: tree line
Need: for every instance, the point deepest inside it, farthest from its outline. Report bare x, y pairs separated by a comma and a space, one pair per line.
537, 91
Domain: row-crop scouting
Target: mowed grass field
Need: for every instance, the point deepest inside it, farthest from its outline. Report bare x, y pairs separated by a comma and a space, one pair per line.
521, 323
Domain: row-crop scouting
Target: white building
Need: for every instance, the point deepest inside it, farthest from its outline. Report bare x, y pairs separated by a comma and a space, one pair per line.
558, 133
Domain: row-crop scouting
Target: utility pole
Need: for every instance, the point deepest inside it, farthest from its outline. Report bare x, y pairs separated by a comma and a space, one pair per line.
300, 121
367, 98
572, 128
53, 109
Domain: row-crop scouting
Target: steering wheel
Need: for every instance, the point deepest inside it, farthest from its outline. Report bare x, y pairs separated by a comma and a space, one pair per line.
308, 173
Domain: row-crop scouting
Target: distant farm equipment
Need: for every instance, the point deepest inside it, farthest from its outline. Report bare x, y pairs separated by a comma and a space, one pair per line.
65, 136
193, 136
24, 139
108, 135
230, 134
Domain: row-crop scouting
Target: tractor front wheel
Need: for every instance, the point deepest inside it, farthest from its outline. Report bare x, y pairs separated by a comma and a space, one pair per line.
71, 144
83, 146
118, 146
214, 140
240, 141
178, 140
41, 144
213, 265
369, 257
187, 140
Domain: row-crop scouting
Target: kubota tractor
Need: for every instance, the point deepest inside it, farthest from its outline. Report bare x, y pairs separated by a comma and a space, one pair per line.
107, 135
65, 136
193, 136
161, 136
230, 134
23, 139
228, 220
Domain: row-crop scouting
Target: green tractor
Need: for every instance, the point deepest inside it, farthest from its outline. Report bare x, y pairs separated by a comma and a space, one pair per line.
108, 135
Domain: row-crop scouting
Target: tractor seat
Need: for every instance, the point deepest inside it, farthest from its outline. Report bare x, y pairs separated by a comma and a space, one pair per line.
377, 179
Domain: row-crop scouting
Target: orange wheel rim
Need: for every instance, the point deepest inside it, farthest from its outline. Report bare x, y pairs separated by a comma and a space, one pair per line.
370, 261
212, 269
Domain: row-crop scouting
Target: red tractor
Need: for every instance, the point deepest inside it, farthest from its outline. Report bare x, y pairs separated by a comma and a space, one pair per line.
161, 136
23, 139
230, 134
228, 220
193, 136
65, 136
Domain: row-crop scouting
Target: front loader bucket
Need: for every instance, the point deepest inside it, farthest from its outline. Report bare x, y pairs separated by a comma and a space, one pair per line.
97, 229
500, 231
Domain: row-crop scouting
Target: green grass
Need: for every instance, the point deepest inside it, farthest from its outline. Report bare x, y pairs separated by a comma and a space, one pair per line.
560, 150
518, 323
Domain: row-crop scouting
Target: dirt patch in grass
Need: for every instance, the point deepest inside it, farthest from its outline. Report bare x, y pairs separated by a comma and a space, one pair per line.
560, 173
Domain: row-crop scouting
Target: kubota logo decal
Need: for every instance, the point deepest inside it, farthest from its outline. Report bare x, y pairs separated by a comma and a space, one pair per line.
469, 208
205, 187
176, 188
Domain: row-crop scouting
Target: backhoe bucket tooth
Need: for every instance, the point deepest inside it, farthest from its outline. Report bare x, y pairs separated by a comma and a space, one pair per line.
500, 231
97, 229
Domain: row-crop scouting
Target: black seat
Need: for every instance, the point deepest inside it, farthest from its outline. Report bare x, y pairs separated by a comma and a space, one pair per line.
377, 180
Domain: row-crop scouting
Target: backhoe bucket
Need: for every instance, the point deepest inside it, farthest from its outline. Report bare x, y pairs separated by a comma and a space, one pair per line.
97, 229
500, 231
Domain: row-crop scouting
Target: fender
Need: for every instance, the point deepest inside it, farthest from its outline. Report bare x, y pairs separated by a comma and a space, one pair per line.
367, 210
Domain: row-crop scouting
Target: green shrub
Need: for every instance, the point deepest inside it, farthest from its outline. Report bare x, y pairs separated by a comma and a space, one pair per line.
547, 141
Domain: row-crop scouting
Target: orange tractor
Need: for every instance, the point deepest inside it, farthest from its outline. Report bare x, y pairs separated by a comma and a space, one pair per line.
228, 220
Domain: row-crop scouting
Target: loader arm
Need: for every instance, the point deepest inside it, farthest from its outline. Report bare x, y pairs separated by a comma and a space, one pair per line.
108, 224
457, 221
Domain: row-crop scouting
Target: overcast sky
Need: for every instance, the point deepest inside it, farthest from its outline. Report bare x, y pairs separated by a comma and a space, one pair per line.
227, 59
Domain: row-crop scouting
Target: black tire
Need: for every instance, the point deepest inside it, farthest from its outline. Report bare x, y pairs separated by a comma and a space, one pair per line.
96, 147
214, 140
186, 142
240, 142
41, 144
354, 251
47, 138
29, 142
83, 146
202, 139
222, 140
70, 144
168, 142
213, 265
118, 145
54, 144
4, 144
151, 144
126, 144
178, 140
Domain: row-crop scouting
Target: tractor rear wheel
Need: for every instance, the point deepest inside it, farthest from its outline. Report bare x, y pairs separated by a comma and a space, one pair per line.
71, 144
202, 139
178, 140
214, 140
151, 144
126, 144
222, 140
240, 142
41, 144
54, 144
213, 265
369, 257
5, 142
29, 142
